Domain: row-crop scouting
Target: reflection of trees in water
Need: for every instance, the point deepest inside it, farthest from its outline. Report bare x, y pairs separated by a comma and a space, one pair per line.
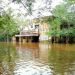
7, 58
62, 61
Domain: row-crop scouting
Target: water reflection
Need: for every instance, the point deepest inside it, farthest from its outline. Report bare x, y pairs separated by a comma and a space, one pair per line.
32, 59
62, 59
7, 59
37, 59
27, 51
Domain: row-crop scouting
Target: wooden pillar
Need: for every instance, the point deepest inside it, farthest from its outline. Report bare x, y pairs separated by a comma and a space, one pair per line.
27, 39
31, 38
20, 39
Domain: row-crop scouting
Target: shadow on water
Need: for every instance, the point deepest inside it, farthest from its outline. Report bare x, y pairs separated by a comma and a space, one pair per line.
37, 59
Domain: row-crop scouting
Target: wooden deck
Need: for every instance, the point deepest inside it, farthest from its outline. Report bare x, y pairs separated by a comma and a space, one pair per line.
25, 35
33, 37
28, 34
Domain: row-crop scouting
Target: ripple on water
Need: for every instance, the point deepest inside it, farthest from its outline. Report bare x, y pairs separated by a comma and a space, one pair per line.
31, 68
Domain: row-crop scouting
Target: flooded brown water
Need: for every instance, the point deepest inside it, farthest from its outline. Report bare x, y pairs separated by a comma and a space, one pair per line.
37, 59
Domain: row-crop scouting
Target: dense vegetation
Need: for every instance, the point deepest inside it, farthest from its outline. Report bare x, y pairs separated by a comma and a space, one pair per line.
8, 27
61, 24
62, 27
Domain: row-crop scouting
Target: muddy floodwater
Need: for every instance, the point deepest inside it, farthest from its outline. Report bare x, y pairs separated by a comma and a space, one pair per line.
37, 59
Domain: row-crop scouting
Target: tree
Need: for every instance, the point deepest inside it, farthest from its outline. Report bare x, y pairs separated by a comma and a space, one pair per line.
29, 5
7, 26
65, 12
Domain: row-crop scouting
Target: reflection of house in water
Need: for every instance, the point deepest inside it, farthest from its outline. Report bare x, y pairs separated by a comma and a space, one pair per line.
43, 52
31, 68
33, 59
28, 50
33, 51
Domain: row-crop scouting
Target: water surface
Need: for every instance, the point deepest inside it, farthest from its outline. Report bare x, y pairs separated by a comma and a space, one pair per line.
37, 59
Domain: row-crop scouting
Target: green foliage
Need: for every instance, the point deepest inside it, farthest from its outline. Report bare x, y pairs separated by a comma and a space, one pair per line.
63, 13
69, 0
7, 26
54, 25
60, 11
